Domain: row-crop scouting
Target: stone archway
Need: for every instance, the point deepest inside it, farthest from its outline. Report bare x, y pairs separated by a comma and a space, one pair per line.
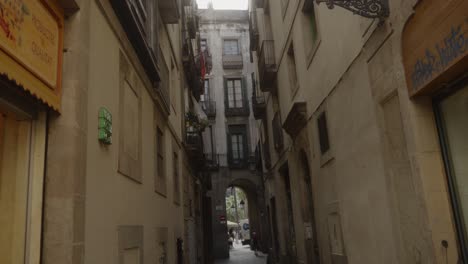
251, 183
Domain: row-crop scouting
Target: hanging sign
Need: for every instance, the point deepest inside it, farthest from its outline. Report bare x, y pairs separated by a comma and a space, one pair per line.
435, 44
31, 33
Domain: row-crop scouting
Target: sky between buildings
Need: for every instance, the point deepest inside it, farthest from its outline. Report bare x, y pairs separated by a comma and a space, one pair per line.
224, 4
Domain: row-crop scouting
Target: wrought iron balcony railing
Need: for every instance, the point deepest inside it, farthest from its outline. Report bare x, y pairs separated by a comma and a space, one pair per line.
212, 161
163, 86
234, 61
194, 144
267, 66
191, 20
209, 107
253, 30
258, 106
238, 111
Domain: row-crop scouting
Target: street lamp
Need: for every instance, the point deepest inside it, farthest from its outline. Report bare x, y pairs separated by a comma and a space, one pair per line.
366, 8
241, 204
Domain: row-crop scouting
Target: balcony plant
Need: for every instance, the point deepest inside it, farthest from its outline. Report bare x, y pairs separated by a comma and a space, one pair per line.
195, 123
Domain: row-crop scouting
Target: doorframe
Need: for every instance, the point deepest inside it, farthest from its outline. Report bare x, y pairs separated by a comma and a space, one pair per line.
461, 228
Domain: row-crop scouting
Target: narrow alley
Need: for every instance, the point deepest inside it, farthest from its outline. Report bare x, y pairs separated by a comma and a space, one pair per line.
243, 255
193, 131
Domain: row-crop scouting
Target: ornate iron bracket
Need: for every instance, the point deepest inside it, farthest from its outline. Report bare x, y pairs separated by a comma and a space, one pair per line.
366, 8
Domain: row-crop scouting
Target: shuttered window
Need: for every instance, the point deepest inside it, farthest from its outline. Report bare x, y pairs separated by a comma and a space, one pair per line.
323, 133
235, 93
231, 47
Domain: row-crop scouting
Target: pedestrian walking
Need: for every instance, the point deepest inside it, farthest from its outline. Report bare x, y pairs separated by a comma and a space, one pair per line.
254, 244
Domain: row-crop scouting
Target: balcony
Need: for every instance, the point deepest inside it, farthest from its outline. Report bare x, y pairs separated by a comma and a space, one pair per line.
211, 161
238, 111
258, 101
267, 66
194, 145
163, 86
209, 107
191, 68
191, 20
253, 31
258, 106
277, 132
130, 14
169, 11
296, 119
233, 61
247, 162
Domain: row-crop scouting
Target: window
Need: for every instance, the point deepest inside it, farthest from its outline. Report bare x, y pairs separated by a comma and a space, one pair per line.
174, 87
284, 6
160, 170
231, 47
277, 132
129, 163
203, 45
176, 179
234, 93
130, 244
323, 133
310, 30
237, 144
292, 67
237, 141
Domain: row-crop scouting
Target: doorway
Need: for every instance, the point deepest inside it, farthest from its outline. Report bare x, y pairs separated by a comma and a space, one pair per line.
451, 114
290, 228
308, 216
237, 217
15, 149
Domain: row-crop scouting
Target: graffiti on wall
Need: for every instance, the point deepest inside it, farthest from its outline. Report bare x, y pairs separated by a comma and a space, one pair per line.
436, 59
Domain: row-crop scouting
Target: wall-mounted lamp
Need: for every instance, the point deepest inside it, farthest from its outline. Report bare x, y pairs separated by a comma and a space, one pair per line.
366, 8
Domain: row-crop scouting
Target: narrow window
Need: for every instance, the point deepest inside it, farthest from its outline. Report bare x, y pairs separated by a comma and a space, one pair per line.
235, 93
231, 47
309, 29
161, 177
311, 23
292, 67
176, 179
323, 133
203, 45
238, 144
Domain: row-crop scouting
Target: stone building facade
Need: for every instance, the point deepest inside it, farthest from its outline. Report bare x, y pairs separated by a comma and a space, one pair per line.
230, 140
96, 165
359, 122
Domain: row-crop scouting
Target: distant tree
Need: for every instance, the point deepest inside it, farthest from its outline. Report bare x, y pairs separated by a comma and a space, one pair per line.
230, 208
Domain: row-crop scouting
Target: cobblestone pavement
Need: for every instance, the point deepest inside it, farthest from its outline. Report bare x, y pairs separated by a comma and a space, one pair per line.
243, 255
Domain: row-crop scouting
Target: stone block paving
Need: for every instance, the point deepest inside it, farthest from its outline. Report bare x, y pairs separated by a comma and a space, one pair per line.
243, 255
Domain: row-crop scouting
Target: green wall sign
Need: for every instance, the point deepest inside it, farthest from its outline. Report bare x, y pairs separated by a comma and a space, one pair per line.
105, 126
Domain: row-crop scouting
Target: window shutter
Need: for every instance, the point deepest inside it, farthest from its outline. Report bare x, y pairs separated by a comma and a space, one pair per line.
244, 92
229, 146
226, 94
245, 143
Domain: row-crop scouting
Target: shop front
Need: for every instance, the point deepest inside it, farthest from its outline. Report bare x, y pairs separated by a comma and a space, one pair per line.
30, 59
435, 56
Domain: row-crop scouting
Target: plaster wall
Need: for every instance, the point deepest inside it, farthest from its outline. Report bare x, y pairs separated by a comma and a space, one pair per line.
384, 170
113, 199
